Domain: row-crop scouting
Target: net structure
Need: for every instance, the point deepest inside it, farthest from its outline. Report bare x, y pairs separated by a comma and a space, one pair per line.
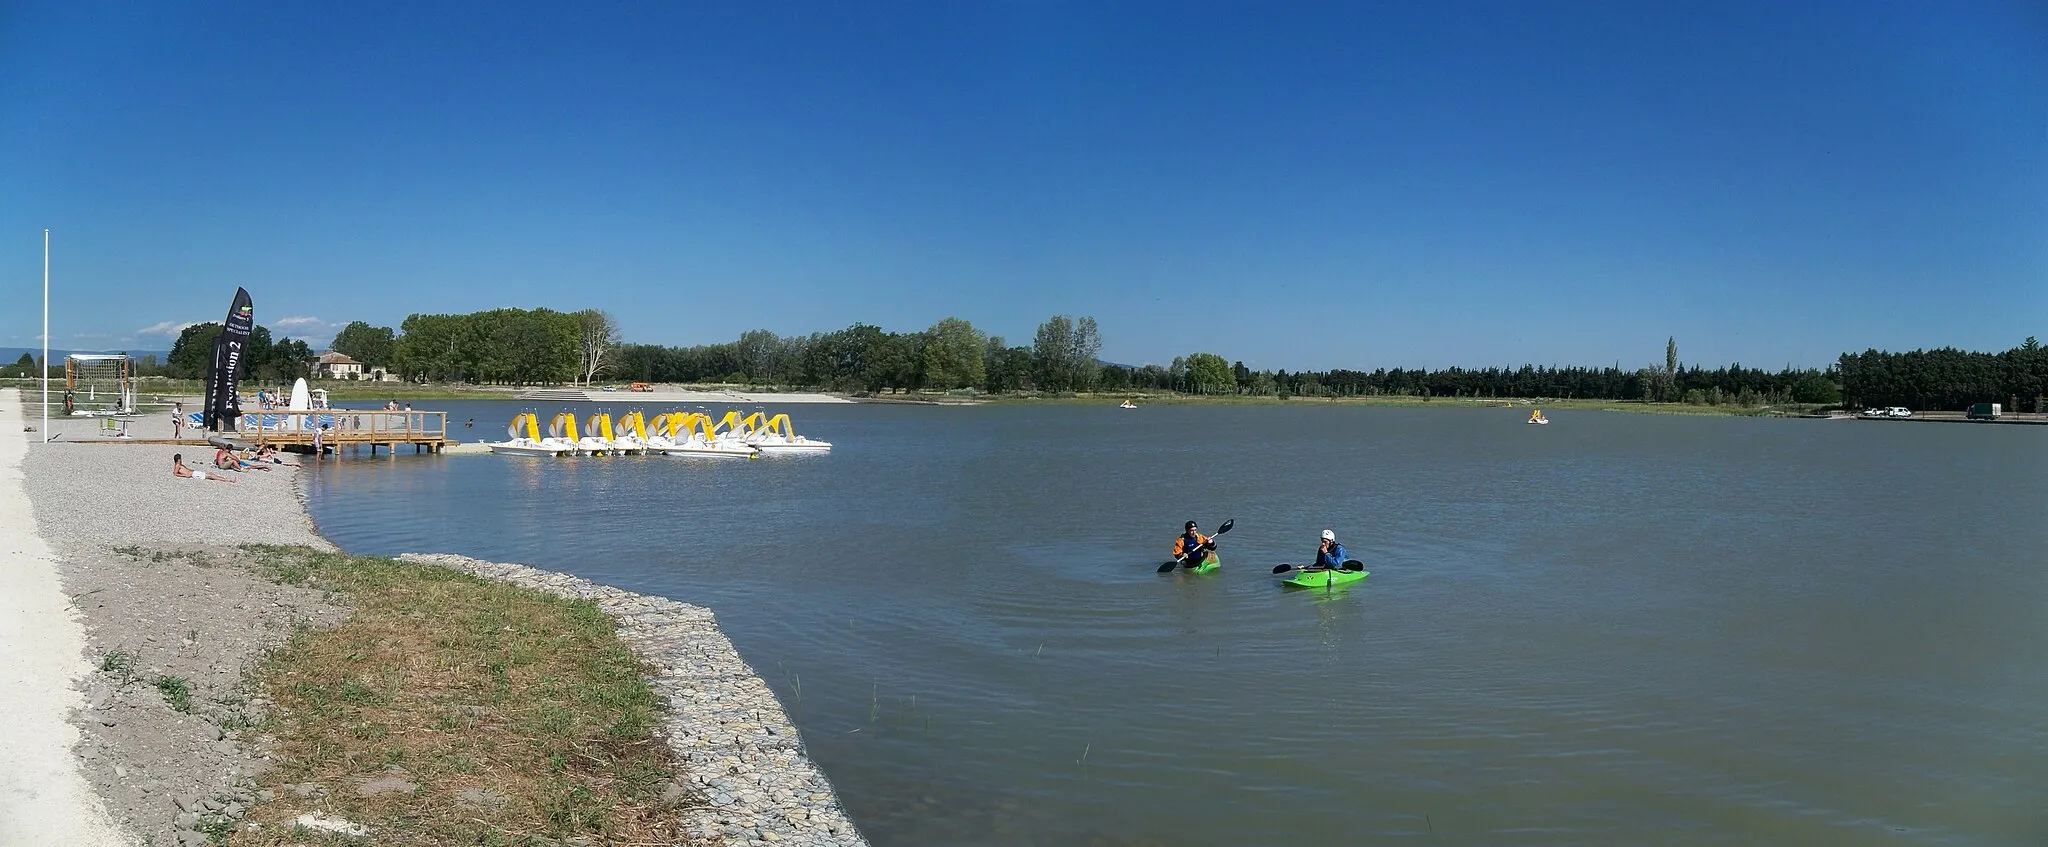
99, 383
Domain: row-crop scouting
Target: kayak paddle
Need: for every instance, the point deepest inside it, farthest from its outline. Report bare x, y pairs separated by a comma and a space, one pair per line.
1209, 546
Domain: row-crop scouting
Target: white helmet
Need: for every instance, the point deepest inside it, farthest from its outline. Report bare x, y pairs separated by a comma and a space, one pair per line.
1329, 536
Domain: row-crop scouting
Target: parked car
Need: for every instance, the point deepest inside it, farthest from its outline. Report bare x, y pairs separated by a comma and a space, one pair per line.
1873, 413
1898, 412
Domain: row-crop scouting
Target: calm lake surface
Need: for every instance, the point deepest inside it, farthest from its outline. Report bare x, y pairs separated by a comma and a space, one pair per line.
1618, 628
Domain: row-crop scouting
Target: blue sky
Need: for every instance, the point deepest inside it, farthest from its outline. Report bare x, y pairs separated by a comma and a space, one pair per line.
1294, 185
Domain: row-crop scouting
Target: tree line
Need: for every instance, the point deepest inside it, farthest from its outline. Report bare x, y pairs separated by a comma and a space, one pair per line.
517, 346
267, 361
543, 346
1947, 378
950, 354
1063, 358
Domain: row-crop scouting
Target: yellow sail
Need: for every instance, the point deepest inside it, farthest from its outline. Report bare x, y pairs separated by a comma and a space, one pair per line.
635, 424
600, 425
564, 426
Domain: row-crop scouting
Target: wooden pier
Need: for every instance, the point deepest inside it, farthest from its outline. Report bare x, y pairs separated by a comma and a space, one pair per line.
333, 429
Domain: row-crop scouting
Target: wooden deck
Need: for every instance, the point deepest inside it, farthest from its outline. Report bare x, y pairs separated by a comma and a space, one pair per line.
334, 429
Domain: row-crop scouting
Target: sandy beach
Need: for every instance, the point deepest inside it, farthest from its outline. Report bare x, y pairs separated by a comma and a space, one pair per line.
134, 621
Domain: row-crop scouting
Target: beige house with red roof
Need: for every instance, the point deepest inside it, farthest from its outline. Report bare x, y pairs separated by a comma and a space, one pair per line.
334, 365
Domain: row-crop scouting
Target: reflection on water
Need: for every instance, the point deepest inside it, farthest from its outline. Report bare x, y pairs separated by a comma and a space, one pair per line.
1612, 629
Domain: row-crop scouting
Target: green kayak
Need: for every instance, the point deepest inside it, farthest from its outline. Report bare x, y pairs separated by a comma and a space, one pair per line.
1324, 578
1208, 565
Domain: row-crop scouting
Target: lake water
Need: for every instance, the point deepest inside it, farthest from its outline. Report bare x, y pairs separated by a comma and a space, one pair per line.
1615, 629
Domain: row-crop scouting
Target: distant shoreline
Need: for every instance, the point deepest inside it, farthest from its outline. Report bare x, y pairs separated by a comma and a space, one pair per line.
342, 391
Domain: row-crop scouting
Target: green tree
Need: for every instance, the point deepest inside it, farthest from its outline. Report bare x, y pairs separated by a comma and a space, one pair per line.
370, 345
953, 351
1261, 384
1670, 354
429, 347
1084, 355
1113, 378
260, 354
1815, 387
192, 353
1208, 373
1052, 352
838, 360
894, 361
597, 340
1009, 368
289, 359
992, 365
757, 349
23, 365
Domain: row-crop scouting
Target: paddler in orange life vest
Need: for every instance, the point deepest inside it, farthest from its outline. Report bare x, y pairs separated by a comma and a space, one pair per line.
1191, 545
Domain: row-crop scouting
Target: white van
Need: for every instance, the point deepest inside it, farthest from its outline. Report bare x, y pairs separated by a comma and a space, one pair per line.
1898, 412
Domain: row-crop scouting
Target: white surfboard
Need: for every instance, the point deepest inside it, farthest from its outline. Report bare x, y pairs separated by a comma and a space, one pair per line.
302, 399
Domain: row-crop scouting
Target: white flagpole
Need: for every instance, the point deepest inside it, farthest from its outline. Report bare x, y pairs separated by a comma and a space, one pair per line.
46, 336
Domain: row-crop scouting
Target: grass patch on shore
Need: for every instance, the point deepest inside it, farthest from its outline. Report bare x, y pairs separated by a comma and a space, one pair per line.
177, 691
489, 714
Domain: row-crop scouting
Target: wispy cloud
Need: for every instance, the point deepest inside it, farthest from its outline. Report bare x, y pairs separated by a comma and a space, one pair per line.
167, 329
298, 323
314, 331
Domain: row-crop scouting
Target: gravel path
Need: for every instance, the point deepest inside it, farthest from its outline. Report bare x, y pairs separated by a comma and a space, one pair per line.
168, 608
44, 798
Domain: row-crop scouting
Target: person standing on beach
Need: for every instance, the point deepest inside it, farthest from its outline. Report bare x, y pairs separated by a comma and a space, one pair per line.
177, 420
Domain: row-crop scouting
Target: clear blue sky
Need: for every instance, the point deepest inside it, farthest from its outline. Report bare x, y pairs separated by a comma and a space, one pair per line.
1294, 185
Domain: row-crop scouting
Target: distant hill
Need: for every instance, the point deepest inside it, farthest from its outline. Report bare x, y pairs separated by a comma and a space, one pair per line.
9, 354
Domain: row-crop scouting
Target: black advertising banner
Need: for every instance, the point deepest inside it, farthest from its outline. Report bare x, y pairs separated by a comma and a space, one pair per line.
223, 377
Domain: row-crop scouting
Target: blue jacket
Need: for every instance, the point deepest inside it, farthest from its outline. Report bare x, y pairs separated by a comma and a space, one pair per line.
1333, 559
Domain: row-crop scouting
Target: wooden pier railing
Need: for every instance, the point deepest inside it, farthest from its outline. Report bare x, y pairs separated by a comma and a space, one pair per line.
337, 428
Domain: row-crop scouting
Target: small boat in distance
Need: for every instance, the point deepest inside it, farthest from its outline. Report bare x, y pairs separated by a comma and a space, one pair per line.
1128, 405
1536, 417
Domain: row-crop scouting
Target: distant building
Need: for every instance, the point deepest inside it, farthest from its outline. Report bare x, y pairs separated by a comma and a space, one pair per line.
337, 366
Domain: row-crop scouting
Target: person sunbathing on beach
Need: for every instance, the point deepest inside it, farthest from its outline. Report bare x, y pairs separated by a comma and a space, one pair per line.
228, 461
179, 470
268, 453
